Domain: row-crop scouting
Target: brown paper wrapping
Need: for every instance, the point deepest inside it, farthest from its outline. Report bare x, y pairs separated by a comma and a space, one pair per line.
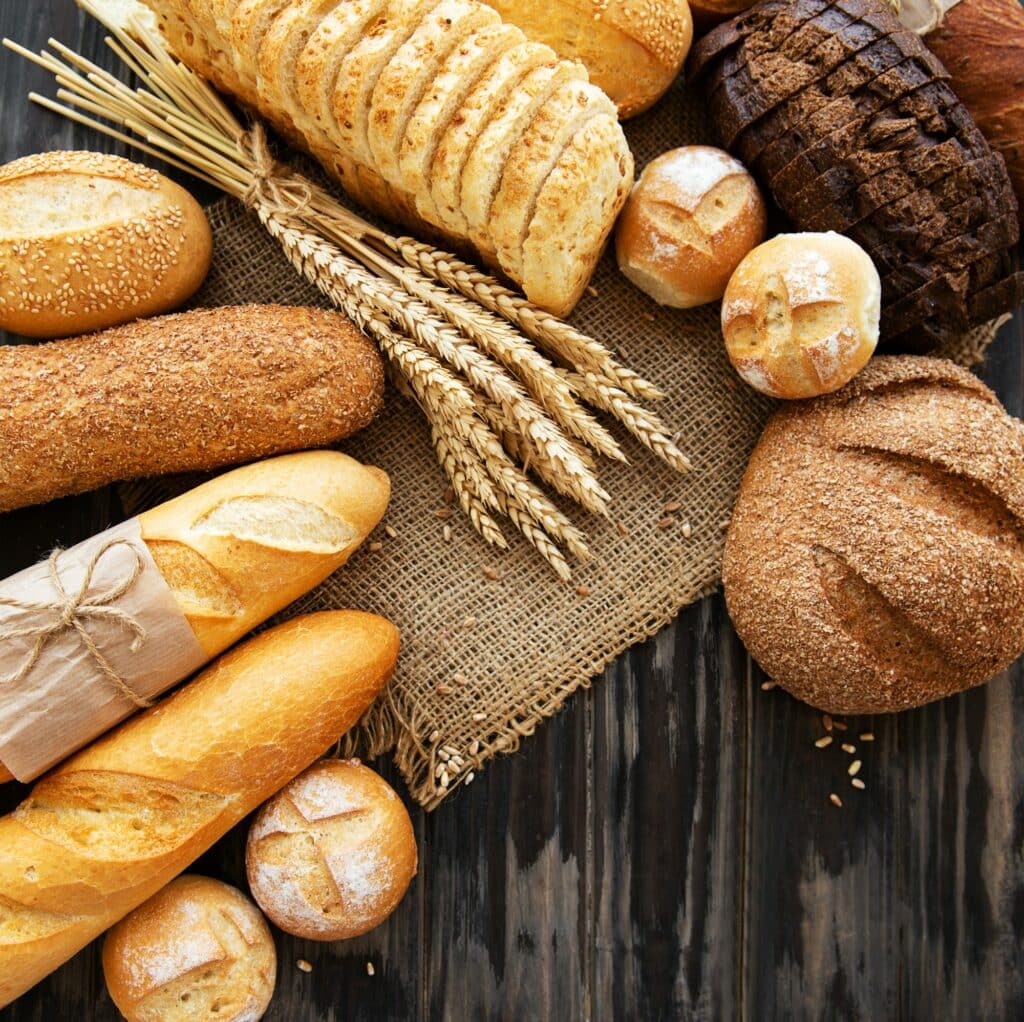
66, 699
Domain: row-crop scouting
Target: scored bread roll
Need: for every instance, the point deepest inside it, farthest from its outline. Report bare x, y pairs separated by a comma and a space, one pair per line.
112, 825
88, 241
875, 556
800, 314
192, 391
692, 216
632, 50
199, 949
347, 82
332, 854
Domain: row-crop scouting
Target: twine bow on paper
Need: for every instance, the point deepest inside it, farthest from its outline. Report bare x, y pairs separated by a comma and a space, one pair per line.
70, 612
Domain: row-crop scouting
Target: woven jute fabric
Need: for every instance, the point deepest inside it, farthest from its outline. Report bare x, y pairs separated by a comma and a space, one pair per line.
485, 660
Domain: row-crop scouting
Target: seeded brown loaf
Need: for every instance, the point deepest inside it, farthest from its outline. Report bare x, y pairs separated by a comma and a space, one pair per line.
198, 949
88, 241
112, 825
875, 557
196, 390
633, 49
332, 854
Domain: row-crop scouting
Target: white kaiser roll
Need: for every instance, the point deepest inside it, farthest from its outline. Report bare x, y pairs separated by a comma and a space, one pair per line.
332, 854
693, 215
88, 241
800, 314
198, 949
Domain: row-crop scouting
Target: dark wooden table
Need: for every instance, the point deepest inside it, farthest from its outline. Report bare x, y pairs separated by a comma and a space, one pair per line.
665, 847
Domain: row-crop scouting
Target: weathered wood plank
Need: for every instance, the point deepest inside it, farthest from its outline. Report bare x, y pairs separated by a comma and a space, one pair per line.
669, 749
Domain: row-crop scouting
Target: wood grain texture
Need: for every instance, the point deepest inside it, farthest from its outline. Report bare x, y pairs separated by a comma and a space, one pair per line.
665, 847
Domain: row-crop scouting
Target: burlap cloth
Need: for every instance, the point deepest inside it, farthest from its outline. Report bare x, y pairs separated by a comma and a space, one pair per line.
484, 661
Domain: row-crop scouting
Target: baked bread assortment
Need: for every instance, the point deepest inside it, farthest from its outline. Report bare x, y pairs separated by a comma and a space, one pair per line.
980, 42
196, 390
692, 216
435, 115
332, 854
88, 241
632, 51
199, 949
875, 557
850, 122
800, 315
112, 825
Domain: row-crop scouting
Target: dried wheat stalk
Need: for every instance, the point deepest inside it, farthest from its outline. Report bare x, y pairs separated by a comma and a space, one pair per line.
460, 341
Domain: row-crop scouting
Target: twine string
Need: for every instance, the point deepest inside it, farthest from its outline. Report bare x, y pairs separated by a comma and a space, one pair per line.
273, 185
67, 613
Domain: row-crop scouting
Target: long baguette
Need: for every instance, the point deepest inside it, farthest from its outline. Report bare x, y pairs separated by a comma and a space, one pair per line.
244, 545
111, 826
187, 392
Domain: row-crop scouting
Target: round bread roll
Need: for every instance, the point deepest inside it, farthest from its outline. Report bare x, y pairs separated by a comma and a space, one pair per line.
332, 854
875, 556
198, 949
800, 314
692, 216
88, 241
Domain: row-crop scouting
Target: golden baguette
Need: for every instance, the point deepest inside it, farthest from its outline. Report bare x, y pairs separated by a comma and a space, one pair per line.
241, 547
112, 825
193, 391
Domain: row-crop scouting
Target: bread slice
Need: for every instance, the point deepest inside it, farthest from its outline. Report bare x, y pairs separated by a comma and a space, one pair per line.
317, 65
575, 212
286, 37
457, 75
482, 173
453, 150
249, 24
411, 71
362, 68
533, 158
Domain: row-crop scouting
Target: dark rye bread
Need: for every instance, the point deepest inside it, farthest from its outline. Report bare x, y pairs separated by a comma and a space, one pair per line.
874, 145
828, 109
932, 111
875, 557
748, 95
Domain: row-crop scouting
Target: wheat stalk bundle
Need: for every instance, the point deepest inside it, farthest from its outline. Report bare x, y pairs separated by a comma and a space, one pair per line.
504, 385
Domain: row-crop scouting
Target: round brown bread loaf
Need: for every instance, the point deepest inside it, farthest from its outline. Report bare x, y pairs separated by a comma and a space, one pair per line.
693, 215
198, 949
332, 854
89, 241
875, 558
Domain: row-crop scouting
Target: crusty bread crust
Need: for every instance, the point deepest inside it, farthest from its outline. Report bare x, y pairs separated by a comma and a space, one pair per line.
197, 390
112, 825
875, 558
88, 241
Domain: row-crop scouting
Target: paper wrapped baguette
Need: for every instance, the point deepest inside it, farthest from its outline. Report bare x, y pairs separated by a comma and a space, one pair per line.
193, 391
232, 552
111, 826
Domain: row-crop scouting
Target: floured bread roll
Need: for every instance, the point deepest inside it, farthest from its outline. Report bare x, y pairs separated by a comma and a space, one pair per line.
197, 950
693, 215
800, 315
332, 854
